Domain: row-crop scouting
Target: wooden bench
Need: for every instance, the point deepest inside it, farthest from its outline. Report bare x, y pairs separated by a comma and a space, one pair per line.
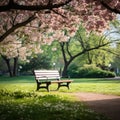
44, 78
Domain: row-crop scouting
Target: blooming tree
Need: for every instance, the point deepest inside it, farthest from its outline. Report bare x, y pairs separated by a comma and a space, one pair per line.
42, 21
55, 14
14, 47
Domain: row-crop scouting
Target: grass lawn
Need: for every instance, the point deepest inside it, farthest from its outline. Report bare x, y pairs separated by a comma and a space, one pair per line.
20, 101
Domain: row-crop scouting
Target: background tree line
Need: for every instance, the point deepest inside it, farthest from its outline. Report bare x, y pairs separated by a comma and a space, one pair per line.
77, 52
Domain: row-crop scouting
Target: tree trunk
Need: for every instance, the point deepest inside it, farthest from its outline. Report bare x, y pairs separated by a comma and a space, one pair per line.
12, 72
8, 65
64, 72
15, 66
89, 58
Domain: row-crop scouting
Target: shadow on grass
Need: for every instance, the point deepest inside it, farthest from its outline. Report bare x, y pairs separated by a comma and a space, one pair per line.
24, 106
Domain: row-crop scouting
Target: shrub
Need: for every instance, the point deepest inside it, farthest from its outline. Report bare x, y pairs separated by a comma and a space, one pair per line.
73, 71
39, 62
89, 71
16, 94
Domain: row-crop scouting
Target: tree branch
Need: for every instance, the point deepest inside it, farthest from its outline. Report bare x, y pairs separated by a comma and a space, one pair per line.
67, 49
80, 39
62, 44
12, 29
117, 55
59, 14
15, 6
93, 48
110, 8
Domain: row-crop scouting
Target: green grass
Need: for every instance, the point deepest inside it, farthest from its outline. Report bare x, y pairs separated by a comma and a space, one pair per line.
103, 86
20, 101
27, 83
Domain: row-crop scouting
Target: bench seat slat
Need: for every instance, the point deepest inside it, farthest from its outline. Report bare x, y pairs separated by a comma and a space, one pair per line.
47, 75
45, 78
61, 81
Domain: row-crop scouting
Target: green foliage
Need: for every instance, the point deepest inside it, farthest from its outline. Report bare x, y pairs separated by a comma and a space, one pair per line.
89, 48
54, 52
116, 61
16, 94
41, 61
89, 71
99, 57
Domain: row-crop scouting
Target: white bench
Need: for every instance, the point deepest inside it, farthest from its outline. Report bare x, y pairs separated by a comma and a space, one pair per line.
49, 77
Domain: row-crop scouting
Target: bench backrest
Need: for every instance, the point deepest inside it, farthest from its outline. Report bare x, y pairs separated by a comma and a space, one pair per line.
46, 75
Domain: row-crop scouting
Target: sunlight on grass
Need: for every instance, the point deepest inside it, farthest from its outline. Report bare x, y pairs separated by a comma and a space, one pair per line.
104, 88
28, 83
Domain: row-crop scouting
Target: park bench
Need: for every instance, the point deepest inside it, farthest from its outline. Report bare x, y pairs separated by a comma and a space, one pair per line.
44, 78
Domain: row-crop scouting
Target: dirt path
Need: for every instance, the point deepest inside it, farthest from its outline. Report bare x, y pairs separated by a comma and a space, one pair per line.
108, 105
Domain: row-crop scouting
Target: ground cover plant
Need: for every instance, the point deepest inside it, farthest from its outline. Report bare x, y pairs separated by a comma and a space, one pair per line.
20, 101
30, 106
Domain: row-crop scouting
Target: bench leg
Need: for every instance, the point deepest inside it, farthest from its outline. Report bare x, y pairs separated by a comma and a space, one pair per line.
61, 84
46, 86
37, 86
68, 85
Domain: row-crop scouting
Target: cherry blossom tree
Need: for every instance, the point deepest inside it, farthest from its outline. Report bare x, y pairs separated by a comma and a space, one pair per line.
14, 48
55, 14
43, 21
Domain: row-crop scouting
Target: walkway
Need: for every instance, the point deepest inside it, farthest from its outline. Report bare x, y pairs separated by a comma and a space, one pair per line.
108, 105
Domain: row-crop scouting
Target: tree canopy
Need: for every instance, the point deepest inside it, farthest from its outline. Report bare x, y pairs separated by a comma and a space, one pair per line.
56, 14
43, 21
